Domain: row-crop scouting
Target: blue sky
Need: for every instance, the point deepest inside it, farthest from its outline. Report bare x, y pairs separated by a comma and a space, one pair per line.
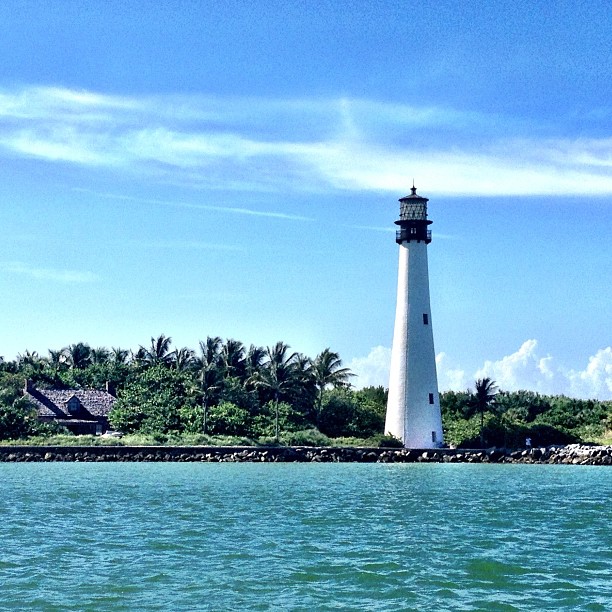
233, 169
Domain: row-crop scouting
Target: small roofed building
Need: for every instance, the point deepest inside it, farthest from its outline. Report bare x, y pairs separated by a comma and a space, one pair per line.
81, 411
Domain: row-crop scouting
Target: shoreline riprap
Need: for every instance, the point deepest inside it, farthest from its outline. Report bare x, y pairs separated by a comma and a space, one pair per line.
574, 454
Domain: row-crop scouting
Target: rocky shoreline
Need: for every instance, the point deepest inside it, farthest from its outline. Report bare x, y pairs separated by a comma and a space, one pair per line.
573, 454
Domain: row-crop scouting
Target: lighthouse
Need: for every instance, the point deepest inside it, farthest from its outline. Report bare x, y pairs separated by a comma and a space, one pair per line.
413, 407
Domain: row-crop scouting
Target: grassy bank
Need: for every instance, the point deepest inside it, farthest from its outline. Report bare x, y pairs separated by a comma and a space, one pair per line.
299, 438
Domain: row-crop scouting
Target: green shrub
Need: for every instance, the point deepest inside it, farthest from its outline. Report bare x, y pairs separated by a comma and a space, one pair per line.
346, 413
228, 419
289, 420
459, 431
305, 437
159, 401
388, 441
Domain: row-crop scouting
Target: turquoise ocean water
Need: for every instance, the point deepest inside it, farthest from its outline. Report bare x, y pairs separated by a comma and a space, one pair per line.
168, 536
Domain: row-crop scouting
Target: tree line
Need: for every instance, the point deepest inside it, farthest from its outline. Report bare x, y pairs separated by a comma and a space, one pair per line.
488, 416
221, 389
271, 394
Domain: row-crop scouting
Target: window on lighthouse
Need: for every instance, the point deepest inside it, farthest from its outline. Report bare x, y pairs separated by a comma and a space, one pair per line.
431, 398
425, 319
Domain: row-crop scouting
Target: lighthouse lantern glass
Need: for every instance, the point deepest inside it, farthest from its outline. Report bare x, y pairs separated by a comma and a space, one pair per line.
413, 210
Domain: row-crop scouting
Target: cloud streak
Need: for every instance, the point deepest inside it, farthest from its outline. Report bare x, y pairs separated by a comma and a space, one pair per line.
309, 144
183, 245
49, 274
178, 204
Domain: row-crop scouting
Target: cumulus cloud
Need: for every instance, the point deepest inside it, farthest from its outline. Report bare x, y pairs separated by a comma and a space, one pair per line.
372, 370
522, 369
450, 374
303, 144
527, 368
596, 379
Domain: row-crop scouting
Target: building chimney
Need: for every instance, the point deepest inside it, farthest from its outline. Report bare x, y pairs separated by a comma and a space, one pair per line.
29, 386
110, 388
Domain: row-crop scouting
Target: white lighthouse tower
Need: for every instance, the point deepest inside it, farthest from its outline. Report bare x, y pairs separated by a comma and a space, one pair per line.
413, 407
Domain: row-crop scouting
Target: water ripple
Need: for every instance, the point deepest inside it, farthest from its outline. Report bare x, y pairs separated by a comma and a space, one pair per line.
304, 536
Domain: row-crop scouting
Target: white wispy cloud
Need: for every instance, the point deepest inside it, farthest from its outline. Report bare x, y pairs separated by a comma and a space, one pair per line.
179, 204
49, 274
526, 368
188, 245
304, 144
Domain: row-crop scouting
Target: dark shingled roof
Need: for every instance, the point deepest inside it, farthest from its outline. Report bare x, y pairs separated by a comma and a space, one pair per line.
54, 403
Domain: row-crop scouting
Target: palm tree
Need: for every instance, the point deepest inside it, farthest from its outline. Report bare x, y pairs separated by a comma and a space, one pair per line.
304, 370
78, 355
119, 355
483, 400
139, 357
327, 370
254, 360
233, 358
183, 358
211, 349
31, 360
28, 358
100, 355
304, 392
207, 365
278, 375
158, 354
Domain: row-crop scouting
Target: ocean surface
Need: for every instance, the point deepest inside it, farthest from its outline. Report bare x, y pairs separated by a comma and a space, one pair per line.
172, 536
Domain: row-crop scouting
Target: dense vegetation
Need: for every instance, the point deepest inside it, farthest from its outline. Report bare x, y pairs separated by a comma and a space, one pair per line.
488, 417
223, 389
228, 393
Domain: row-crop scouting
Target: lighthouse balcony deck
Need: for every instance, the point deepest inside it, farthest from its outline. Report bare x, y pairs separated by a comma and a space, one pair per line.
409, 235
